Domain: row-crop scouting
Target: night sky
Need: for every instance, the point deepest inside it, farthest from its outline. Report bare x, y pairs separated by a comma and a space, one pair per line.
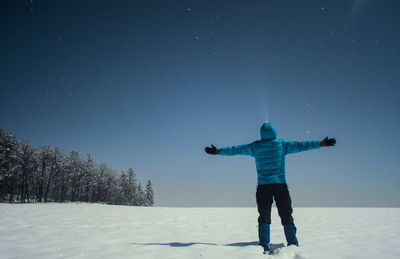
149, 84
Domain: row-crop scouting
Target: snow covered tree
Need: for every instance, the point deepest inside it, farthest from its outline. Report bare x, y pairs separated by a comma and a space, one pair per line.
75, 173
61, 181
101, 183
8, 166
49, 166
28, 166
113, 189
47, 174
89, 171
43, 171
124, 195
55, 167
140, 197
149, 201
132, 186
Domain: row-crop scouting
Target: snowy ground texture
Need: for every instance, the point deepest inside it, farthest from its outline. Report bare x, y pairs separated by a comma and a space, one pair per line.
106, 231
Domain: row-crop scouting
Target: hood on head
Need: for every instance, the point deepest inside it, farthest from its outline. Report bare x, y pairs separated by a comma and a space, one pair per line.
268, 131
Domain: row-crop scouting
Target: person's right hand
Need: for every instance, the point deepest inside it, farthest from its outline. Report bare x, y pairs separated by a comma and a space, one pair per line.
328, 142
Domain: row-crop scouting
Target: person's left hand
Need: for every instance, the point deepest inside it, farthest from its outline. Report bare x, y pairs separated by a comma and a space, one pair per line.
212, 150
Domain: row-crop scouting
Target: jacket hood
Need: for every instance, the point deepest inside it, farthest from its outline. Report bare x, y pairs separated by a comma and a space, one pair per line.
268, 131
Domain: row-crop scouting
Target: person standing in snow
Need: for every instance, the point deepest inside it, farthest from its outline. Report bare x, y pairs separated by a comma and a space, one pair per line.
269, 154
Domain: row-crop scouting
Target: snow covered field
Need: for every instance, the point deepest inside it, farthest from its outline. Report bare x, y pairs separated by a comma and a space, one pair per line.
106, 231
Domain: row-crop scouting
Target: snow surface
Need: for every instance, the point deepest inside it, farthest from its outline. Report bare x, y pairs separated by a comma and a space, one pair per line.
74, 230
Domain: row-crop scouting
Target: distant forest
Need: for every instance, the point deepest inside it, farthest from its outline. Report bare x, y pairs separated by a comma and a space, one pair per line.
46, 174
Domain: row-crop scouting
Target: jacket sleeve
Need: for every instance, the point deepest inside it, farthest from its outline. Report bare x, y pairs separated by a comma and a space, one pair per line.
246, 149
291, 147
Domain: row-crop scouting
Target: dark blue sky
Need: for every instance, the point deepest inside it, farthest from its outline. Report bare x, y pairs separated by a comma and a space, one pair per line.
148, 84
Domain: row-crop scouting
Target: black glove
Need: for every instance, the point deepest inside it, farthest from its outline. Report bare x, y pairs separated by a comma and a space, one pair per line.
328, 142
212, 150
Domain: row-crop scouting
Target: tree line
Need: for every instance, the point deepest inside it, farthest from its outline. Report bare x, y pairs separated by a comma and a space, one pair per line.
46, 174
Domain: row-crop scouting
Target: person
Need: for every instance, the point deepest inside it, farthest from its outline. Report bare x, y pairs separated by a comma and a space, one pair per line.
269, 154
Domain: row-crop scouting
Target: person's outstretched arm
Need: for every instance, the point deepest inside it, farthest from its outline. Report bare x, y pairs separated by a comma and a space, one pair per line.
291, 147
245, 149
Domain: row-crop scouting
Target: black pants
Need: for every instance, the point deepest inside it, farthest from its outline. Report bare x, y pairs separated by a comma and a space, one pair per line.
280, 193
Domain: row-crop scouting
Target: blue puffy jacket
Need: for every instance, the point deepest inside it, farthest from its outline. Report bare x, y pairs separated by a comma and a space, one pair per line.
270, 153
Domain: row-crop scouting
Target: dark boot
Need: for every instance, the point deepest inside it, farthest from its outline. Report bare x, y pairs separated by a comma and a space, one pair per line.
290, 233
263, 235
